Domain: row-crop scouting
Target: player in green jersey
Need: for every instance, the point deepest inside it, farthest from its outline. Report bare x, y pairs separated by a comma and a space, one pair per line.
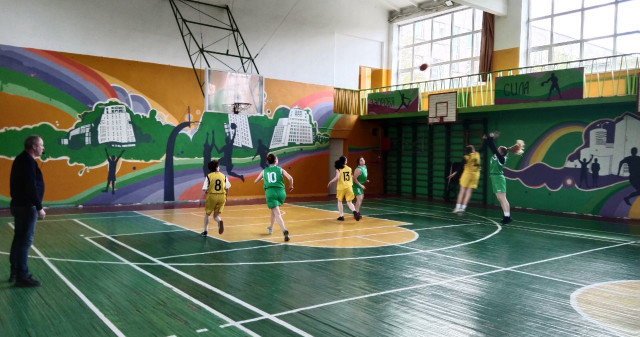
360, 178
496, 174
274, 191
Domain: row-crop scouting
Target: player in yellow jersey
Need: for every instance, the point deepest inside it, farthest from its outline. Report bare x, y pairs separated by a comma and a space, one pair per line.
216, 185
469, 179
344, 189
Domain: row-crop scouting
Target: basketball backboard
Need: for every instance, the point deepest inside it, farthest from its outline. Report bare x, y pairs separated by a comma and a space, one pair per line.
443, 108
234, 93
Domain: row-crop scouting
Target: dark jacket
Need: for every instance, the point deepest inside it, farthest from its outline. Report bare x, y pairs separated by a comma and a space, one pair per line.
27, 185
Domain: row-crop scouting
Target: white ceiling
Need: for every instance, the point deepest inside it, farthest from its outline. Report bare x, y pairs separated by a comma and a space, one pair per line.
497, 7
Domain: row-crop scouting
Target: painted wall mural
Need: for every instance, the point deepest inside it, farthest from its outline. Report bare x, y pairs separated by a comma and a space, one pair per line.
597, 173
112, 138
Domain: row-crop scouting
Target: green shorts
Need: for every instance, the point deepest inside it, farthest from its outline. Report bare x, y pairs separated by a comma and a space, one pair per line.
498, 183
357, 190
275, 197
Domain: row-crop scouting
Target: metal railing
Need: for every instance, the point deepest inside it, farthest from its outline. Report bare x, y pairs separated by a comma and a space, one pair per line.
603, 77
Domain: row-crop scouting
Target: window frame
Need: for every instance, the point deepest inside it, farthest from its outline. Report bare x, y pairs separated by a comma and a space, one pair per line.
451, 37
581, 40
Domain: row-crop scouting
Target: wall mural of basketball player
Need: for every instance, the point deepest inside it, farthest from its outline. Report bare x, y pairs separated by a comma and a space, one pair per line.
633, 164
404, 101
227, 152
111, 177
584, 171
262, 150
595, 173
206, 154
554, 85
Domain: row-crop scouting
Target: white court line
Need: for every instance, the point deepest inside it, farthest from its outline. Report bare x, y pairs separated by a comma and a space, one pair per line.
201, 330
572, 235
577, 228
317, 240
317, 209
139, 233
150, 217
276, 244
77, 291
97, 217
166, 284
576, 307
203, 284
185, 228
541, 230
539, 223
455, 279
573, 301
340, 259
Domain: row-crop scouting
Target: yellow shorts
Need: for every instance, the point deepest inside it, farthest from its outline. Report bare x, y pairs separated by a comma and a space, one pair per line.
215, 203
347, 194
470, 180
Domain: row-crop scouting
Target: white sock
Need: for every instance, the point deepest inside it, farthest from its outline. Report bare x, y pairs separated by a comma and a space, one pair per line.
458, 206
507, 214
463, 206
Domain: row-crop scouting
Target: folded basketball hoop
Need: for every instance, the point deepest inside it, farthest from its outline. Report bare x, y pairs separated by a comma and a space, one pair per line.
236, 107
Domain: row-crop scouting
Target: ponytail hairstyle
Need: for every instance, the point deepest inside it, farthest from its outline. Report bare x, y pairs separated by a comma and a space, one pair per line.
339, 164
213, 165
469, 149
517, 148
271, 158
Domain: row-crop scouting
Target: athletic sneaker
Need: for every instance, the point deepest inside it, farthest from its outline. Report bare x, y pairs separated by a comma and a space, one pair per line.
220, 227
457, 210
27, 282
506, 220
204, 234
270, 230
286, 235
356, 215
341, 218
12, 277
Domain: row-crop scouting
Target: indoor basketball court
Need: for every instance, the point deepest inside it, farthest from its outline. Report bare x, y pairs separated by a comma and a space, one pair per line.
300, 168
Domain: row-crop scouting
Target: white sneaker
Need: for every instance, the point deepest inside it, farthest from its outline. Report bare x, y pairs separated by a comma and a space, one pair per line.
457, 210
270, 230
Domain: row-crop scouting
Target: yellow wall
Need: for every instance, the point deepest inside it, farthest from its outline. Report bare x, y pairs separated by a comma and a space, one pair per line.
506, 59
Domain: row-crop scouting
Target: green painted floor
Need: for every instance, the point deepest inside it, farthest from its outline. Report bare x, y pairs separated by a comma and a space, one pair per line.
126, 274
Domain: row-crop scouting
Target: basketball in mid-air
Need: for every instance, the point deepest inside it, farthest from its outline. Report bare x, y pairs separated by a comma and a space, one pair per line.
424, 67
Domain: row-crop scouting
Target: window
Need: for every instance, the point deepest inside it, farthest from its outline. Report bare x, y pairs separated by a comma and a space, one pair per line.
448, 43
569, 30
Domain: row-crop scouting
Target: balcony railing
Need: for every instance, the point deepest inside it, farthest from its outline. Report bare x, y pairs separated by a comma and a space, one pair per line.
603, 77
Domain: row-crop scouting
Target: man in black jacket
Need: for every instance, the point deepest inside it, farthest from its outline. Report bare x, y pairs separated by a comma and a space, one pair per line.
27, 189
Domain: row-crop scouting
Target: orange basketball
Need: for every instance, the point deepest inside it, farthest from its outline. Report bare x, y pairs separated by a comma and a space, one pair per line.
424, 67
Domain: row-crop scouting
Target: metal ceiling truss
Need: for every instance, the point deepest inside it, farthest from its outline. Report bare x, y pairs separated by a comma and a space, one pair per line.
212, 38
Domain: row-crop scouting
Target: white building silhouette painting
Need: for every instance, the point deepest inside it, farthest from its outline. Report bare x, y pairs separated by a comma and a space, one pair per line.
115, 126
295, 129
609, 155
243, 136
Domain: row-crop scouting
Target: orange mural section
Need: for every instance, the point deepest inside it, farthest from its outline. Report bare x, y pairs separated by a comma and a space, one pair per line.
279, 92
63, 181
175, 88
19, 111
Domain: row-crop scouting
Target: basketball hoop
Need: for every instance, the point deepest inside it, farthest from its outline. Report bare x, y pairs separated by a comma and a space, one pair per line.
236, 107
